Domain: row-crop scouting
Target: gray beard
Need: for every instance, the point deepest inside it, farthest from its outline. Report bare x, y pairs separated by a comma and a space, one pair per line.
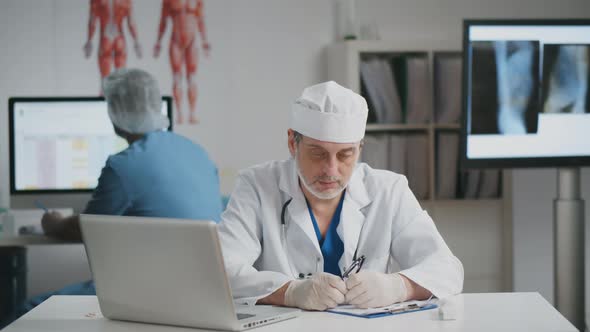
330, 195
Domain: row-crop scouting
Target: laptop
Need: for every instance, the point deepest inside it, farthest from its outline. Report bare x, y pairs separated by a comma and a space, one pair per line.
166, 271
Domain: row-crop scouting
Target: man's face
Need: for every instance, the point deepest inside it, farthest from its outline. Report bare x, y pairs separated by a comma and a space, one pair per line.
324, 167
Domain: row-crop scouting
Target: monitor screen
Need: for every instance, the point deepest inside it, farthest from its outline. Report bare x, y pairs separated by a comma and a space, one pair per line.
525, 93
61, 144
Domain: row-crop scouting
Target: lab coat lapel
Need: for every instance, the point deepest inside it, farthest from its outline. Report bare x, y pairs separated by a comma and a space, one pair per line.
352, 218
297, 214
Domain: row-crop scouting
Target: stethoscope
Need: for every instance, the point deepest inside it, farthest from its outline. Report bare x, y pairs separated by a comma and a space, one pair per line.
283, 224
356, 262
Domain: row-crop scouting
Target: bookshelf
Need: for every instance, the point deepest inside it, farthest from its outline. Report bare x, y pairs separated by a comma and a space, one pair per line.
344, 63
462, 221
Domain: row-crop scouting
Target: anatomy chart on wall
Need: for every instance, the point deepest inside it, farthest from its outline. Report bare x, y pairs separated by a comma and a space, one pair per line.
118, 32
112, 17
186, 18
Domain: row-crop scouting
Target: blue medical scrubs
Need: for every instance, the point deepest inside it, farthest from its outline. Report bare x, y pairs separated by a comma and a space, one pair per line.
160, 175
331, 245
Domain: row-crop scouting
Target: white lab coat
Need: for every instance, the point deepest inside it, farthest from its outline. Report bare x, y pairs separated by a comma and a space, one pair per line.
380, 213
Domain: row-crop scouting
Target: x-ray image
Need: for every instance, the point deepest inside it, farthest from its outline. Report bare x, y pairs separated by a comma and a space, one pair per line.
565, 78
505, 87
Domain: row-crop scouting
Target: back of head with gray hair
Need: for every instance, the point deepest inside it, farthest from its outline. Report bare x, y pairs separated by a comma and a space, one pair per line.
134, 101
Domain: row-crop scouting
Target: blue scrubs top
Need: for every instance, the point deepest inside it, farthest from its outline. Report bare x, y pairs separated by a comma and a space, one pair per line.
331, 246
161, 175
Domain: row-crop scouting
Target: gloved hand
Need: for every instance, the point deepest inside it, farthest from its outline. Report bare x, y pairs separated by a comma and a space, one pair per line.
369, 289
320, 292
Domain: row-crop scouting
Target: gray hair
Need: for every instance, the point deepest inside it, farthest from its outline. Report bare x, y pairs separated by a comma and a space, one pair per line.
297, 136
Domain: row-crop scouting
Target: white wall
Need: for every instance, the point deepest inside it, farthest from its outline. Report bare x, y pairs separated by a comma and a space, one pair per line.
263, 54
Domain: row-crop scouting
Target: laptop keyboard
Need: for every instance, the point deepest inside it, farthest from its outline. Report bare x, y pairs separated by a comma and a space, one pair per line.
244, 316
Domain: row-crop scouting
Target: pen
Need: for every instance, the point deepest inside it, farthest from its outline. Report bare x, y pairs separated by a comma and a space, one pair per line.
357, 263
41, 206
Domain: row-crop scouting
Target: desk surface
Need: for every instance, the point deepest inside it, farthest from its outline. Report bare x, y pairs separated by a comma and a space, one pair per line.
481, 312
25, 240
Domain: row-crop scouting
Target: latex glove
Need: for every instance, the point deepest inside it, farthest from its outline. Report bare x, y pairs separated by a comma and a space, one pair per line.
320, 292
369, 289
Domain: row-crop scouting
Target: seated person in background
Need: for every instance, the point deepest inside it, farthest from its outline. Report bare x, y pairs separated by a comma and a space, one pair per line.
160, 174
292, 228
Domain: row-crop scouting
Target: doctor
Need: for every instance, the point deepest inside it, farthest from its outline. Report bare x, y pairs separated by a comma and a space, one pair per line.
293, 227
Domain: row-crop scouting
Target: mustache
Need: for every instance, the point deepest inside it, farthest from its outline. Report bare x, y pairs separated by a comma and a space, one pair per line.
327, 178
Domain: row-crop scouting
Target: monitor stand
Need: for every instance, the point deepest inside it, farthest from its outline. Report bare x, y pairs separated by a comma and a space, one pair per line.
568, 247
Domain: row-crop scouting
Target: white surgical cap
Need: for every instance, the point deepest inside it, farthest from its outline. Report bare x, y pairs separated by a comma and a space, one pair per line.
134, 101
330, 112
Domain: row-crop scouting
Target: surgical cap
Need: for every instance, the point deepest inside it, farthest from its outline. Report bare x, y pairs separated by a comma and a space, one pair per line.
330, 112
134, 101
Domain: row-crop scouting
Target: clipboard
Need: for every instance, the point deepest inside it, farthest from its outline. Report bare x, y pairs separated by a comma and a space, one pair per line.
392, 310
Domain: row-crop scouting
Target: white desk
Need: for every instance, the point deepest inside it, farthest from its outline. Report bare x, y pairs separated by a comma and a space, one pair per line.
482, 312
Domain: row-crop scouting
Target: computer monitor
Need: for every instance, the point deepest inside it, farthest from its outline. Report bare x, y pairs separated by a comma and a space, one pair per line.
61, 144
526, 93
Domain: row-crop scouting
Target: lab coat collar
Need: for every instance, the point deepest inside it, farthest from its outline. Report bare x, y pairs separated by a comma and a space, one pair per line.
297, 212
351, 218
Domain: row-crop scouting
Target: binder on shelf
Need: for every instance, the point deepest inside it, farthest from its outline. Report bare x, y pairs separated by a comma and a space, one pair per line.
447, 165
470, 181
417, 164
372, 89
397, 153
375, 151
447, 88
419, 92
393, 104
399, 72
372, 115
381, 91
490, 184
